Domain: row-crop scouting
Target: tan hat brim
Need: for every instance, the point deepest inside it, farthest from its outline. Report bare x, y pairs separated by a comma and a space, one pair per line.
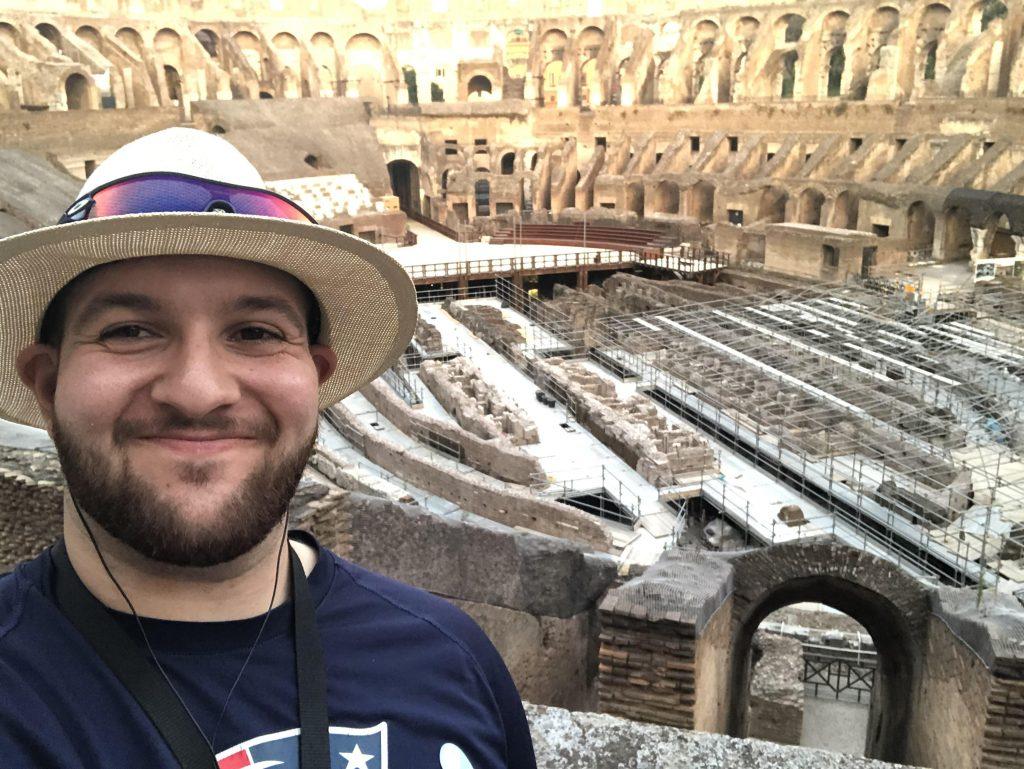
367, 300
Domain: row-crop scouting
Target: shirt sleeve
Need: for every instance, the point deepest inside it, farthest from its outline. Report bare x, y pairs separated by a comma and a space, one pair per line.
518, 742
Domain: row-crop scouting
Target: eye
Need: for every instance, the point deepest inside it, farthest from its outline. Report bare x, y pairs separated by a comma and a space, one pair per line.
257, 334
126, 331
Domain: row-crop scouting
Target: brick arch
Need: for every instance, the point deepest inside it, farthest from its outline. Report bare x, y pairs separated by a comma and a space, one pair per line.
890, 603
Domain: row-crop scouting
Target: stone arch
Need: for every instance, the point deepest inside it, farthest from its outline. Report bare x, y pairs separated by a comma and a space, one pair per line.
289, 55
252, 51
998, 240
635, 198
91, 35
666, 198
845, 210
700, 202
210, 41
326, 59
810, 204
789, 29
405, 184
772, 206
530, 159
786, 76
589, 45
920, 225
52, 35
705, 51
983, 13
364, 67
891, 605
76, 91
10, 34
130, 39
173, 80
508, 163
478, 88
552, 67
957, 234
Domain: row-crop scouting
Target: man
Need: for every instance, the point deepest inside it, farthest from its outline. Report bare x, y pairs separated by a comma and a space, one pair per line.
177, 335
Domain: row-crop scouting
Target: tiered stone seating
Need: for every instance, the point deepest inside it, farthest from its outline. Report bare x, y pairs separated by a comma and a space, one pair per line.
617, 238
327, 197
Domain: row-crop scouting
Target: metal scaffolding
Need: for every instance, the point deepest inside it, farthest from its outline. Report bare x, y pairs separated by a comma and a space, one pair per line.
904, 421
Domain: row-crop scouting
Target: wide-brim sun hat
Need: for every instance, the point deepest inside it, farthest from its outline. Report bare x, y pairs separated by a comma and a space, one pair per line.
367, 300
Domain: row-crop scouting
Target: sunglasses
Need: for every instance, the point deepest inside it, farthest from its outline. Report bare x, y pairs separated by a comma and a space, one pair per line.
152, 193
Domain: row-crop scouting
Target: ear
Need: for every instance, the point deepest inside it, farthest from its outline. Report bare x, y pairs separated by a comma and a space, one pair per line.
37, 369
325, 360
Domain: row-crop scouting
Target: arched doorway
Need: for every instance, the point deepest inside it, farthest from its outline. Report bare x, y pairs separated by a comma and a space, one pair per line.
787, 74
666, 198
890, 632
364, 65
920, 226
811, 201
405, 184
210, 42
479, 87
76, 91
701, 202
173, 80
844, 211
508, 163
957, 231
772, 208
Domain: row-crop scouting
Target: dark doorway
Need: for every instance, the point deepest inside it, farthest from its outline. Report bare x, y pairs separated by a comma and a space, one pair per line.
405, 184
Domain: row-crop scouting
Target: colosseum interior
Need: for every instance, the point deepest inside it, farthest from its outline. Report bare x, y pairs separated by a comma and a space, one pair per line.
715, 406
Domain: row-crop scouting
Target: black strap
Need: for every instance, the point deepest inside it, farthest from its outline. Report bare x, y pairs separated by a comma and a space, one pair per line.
314, 738
140, 676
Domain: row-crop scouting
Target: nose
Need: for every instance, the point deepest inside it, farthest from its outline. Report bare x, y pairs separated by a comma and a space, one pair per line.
197, 378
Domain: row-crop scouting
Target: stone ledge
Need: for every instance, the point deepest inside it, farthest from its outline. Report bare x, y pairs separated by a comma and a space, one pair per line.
571, 740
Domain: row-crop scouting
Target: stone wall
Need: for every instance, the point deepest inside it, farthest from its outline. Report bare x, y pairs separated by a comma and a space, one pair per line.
534, 596
31, 504
509, 505
567, 740
777, 689
496, 457
476, 405
663, 454
948, 691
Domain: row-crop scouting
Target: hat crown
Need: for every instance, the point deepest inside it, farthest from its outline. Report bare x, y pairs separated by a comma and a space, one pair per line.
177, 150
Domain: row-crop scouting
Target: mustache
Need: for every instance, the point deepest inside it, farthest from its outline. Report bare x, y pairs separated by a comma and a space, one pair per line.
173, 422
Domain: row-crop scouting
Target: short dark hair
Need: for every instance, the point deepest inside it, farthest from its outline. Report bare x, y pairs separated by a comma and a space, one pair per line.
54, 323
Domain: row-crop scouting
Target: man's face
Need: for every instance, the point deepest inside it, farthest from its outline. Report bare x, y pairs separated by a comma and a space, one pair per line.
184, 404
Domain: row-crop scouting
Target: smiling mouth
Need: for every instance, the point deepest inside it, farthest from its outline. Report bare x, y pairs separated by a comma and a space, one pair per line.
198, 445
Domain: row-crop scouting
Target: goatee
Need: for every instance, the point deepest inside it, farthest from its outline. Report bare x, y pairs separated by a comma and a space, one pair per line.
131, 509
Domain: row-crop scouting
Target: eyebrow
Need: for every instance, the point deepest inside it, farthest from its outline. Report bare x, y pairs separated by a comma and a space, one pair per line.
273, 303
123, 300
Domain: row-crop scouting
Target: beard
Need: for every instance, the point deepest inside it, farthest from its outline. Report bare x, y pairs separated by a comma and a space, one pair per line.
132, 510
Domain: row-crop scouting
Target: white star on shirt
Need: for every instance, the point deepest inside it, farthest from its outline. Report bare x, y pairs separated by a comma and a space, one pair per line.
357, 759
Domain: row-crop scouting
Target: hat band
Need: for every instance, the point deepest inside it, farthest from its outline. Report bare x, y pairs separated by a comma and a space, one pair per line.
162, 193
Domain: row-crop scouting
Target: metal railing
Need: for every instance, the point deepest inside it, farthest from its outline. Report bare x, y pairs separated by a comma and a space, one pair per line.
678, 259
842, 674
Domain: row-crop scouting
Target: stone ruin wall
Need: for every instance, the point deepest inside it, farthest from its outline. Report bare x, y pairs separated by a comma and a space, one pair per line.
476, 405
497, 457
538, 599
663, 454
508, 504
777, 689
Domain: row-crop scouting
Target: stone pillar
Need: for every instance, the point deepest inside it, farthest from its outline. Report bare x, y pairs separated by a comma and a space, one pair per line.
665, 644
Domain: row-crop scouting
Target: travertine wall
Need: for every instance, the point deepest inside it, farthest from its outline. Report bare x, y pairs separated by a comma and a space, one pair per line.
949, 688
31, 504
777, 689
497, 457
509, 504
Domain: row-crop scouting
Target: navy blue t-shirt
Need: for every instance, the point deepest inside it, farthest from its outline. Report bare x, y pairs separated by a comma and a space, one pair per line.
412, 683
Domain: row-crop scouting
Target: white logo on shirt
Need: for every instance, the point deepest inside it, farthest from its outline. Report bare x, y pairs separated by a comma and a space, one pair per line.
452, 757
